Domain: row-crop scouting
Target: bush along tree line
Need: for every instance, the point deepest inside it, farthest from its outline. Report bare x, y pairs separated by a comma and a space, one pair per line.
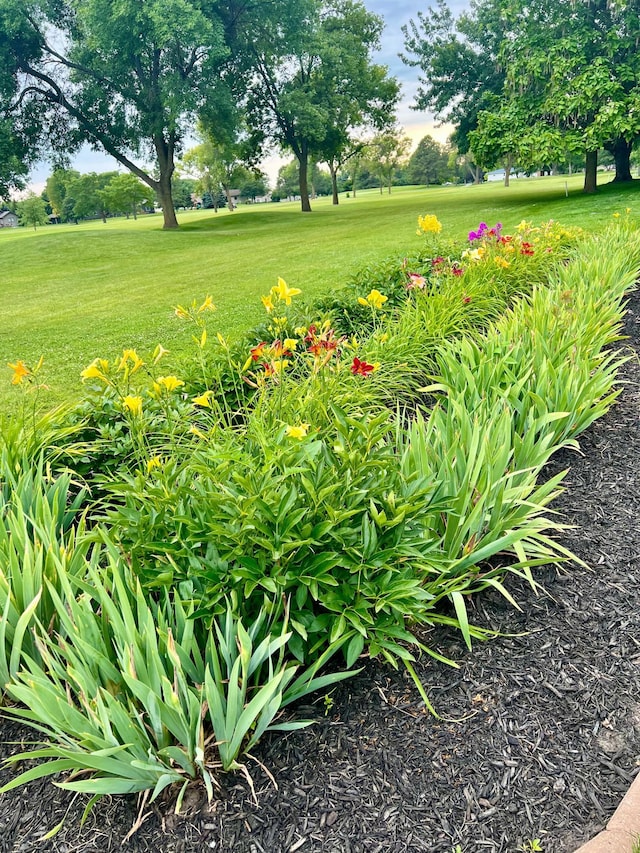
200, 543
533, 86
133, 80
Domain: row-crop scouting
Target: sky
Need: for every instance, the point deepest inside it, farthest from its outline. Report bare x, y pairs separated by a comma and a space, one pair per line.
395, 13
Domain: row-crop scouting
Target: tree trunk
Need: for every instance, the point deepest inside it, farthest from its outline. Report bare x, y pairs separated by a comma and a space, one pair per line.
334, 183
591, 172
164, 151
166, 202
303, 179
227, 192
507, 170
354, 180
621, 150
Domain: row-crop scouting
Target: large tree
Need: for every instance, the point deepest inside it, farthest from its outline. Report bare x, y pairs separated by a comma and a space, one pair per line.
128, 76
579, 64
386, 152
312, 78
429, 163
536, 82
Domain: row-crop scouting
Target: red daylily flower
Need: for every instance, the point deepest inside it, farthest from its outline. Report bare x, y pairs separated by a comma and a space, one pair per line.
258, 352
361, 368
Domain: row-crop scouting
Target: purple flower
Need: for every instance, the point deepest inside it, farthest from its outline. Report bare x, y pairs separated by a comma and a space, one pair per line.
479, 234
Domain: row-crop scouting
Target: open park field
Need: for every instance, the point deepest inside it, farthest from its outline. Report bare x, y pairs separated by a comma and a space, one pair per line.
71, 293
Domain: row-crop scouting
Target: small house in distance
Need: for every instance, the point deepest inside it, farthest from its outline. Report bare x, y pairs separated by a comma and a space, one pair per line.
8, 219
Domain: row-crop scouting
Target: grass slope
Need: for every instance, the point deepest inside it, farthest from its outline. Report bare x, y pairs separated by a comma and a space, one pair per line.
71, 293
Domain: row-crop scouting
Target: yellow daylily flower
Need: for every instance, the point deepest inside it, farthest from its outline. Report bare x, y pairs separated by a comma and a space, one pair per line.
298, 432
182, 313
222, 341
474, 254
207, 305
284, 292
130, 355
198, 433
203, 399
20, 370
280, 364
502, 262
268, 303
133, 404
375, 299
169, 383
154, 462
290, 344
203, 339
301, 331
93, 372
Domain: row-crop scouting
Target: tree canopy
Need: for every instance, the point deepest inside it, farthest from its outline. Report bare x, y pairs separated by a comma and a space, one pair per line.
312, 80
127, 77
533, 83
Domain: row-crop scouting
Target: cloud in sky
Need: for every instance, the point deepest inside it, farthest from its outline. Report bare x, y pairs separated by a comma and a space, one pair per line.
395, 13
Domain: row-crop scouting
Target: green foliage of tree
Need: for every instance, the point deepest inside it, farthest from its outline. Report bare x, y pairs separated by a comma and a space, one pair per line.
250, 183
387, 150
459, 62
32, 211
57, 189
429, 163
578, 66
220, 161
288, 181
184, 190
15, 157
126, 194
571, 84
312, 81
88, 192
128, 77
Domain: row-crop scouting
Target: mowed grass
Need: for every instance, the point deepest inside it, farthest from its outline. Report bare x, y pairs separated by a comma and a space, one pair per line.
71, 293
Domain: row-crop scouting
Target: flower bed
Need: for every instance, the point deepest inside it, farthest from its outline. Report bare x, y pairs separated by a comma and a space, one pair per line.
257, 521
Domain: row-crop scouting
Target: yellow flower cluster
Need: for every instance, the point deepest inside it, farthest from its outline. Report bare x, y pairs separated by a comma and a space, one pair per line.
299, 431
474, 254
429, 224
374, 300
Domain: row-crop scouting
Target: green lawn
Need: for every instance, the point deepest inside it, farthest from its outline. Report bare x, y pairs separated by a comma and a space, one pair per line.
71, 293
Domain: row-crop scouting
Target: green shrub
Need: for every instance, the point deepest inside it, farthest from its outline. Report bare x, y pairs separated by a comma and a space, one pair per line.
134, 695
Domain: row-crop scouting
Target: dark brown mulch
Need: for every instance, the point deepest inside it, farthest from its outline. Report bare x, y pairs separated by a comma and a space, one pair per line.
539, 735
